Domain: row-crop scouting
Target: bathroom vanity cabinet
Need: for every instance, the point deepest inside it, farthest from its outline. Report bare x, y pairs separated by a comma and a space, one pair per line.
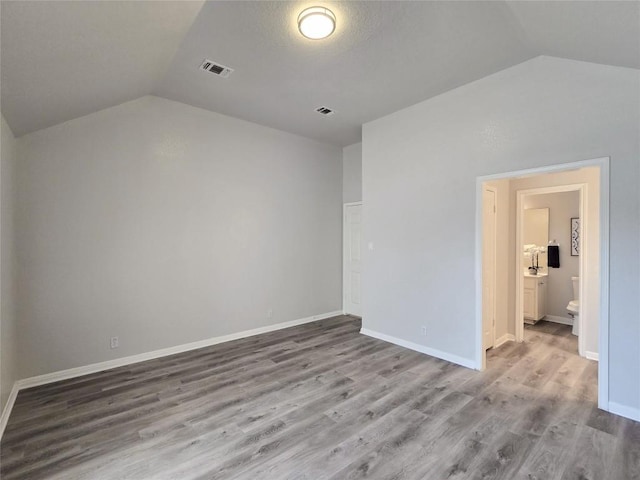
535, 297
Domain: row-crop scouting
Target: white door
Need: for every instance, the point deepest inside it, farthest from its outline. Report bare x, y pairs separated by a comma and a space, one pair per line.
352, 257
488, 267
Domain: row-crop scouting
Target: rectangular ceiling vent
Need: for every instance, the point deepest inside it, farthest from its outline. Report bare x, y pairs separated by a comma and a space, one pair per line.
325, 111
216, 68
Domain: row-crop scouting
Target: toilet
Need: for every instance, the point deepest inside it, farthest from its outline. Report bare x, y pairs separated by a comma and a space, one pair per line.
574, 305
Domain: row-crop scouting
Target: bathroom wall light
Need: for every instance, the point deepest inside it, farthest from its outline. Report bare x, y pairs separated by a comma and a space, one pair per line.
316, 23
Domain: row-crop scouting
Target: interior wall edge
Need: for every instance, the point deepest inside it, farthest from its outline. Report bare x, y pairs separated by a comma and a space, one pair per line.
30, 382
465, 362
624, 411
164, 352
53, 377
6, 411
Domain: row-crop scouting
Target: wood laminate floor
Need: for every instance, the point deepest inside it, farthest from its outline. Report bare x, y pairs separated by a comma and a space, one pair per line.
321, 401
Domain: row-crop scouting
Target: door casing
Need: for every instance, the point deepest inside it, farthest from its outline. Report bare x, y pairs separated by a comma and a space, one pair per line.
491, 268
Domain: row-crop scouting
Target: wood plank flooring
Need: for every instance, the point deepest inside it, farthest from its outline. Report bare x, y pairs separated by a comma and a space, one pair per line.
321, 401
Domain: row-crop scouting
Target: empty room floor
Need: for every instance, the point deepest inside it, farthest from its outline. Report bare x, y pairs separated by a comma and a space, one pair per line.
322, 401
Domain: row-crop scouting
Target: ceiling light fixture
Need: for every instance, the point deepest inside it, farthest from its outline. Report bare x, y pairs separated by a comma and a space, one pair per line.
316, 23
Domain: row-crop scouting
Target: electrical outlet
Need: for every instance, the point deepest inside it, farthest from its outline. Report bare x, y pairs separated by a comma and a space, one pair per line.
424, 331
270, 313
115, 343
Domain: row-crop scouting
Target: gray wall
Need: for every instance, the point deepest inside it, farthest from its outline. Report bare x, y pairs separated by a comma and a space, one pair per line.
163, 224
8, 318
419, 172
562, 206
352, 173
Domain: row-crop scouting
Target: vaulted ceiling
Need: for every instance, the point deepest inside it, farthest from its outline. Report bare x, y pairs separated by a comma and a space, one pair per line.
65, 59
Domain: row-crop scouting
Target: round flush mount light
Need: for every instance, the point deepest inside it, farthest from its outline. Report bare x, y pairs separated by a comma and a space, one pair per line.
316, 23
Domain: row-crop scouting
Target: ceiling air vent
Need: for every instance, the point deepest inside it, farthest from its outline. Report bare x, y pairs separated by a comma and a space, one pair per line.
324, 111
216, 68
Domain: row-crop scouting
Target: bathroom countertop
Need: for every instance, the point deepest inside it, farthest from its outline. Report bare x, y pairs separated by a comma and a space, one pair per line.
527, 274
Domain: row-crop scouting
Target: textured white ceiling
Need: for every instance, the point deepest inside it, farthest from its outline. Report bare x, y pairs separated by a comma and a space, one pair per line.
64, 59
605, 32
383, 56
61, 60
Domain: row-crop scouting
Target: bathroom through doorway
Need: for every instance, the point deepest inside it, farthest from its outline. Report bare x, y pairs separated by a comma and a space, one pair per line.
587, 183
544, 289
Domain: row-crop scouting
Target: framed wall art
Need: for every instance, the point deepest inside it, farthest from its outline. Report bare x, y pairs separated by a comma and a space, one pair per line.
575, 237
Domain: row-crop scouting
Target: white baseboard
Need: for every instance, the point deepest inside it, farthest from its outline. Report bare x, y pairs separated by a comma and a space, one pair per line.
591, 355
6, 411
465, 362
557, 319
120, 362
507, 337
624, 411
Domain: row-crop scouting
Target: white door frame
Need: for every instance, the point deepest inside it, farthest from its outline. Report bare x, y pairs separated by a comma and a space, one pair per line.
495, 263
344, 253
603, 325
584, 253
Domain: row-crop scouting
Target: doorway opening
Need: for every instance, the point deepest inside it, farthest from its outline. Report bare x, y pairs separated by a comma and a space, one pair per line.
532, 304
501, 277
